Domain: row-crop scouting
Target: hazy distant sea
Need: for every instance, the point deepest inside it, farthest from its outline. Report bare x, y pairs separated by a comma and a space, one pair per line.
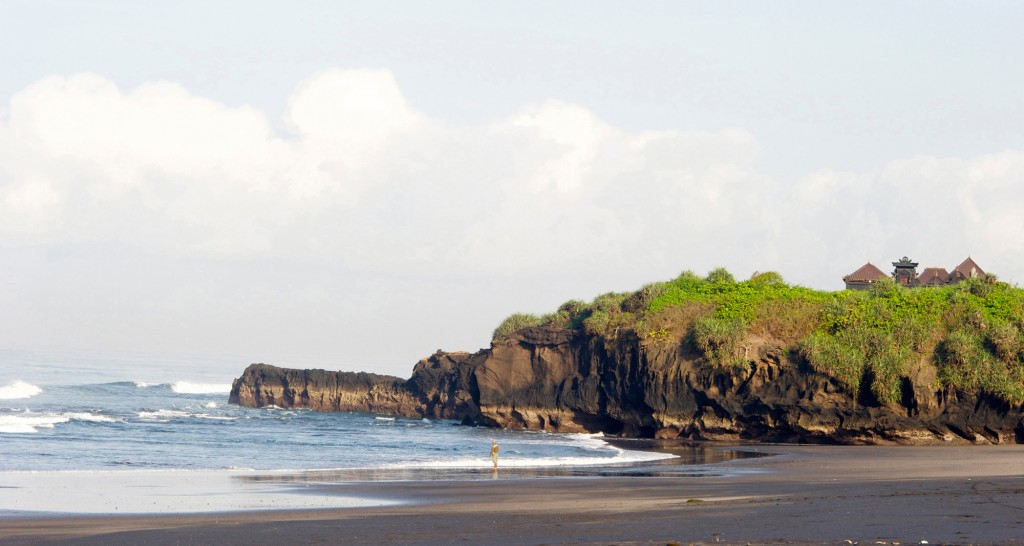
64, 412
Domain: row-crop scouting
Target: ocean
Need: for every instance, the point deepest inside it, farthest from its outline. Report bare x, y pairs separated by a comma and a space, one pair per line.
97, 420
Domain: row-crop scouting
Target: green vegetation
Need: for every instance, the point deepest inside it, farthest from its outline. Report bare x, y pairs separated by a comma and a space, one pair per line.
868, 341
515, 323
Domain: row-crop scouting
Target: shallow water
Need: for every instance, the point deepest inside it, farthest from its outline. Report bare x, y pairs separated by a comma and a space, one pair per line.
96, 413
93, 420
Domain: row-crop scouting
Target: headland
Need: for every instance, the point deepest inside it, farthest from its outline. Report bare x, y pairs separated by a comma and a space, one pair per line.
712, 358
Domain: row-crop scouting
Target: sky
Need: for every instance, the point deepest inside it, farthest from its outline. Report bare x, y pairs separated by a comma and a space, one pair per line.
355, 185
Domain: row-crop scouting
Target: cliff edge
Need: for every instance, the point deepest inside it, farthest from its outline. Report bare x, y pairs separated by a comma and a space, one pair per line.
563, 380
716, 358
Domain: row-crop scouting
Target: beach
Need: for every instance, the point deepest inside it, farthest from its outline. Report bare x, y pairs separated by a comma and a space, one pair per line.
799, 494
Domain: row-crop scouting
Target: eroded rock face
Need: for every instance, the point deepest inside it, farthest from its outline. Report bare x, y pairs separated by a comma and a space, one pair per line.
265, 385
444, 386
565, 381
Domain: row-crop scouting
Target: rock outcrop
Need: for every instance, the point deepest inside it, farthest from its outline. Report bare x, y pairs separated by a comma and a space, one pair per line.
564, 380
265, 385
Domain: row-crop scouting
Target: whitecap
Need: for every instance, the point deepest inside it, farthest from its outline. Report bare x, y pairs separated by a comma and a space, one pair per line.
162, 415
91, 417
16, 428
214, 417
31, 422
19, 389
165, 415
20, 424
188, 387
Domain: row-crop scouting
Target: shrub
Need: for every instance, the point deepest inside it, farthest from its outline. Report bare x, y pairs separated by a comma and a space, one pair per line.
1004, 339
966, 364
684, 289
885, 288
718, 339
608, 302
573, 307
575, 311
768, 278
608, 324
671, 324
882, 332
828, 355
889, 364
687, 277
638, 301
977, 287
720, 275
558, 318
788, 321
513, 324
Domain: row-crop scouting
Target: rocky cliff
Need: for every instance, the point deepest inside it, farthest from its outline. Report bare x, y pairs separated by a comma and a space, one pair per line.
265, 385
565, 380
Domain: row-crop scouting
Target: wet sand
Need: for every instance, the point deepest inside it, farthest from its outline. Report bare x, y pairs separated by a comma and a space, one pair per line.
802, 494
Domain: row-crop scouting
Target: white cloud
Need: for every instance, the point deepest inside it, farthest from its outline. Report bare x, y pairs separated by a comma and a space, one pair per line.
344, 117
152, 217
29, 206
578, 135
364, 179
937, 210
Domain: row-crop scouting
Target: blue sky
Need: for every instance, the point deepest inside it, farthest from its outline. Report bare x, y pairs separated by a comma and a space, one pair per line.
358, 184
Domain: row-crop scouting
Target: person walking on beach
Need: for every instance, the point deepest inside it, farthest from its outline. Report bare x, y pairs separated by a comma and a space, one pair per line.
494, 453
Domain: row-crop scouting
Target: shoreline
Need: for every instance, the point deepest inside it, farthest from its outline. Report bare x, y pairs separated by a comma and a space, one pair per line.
137, 492
867, 494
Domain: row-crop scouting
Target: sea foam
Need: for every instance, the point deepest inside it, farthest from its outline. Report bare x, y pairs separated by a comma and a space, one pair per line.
27, 423
586, 441
624, 457
187, 387
165, 415
19, 389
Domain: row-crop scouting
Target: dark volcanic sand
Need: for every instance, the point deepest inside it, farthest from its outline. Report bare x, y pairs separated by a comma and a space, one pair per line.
804, 494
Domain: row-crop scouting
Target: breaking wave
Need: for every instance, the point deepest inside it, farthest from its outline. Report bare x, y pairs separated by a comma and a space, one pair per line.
165, 415
30, 422
19, 389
